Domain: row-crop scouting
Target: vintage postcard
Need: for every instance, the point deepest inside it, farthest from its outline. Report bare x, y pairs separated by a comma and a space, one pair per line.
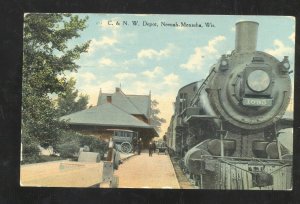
157, 101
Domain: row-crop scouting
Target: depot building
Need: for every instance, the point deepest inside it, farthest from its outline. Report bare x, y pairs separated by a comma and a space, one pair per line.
115, 111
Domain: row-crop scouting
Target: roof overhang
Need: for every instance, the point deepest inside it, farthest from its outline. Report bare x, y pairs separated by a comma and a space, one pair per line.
149, 128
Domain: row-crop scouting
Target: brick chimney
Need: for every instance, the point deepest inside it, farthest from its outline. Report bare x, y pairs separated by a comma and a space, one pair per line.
118, 89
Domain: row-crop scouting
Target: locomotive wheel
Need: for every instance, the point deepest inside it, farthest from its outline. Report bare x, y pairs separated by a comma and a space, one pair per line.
126, 147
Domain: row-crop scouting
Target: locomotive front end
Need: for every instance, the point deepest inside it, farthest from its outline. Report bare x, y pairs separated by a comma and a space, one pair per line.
250, 89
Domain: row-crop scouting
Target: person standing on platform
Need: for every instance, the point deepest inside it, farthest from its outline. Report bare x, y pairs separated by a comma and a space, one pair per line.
150, 149
139, 146
134, 144
153, 147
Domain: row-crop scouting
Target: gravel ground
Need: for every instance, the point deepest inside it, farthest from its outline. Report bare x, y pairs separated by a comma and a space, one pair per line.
61, 174
142, 171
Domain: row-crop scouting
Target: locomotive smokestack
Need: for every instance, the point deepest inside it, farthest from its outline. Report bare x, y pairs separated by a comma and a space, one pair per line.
246, 36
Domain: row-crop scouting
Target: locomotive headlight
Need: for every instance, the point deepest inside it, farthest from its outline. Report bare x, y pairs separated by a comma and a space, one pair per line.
224, 63
258, 80
223, 66
286, 65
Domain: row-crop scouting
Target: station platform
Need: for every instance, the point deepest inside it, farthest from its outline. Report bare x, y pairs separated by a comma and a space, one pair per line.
136, 171
142, 171
61, 173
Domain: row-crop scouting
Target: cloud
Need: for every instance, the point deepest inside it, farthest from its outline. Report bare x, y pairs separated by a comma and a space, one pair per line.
137, 87
107, 41
107, 62
196, 60
133, 62
68, 75
125, 75
140, 87
87, 76
102, 42
280, 49
108, 86
292, 37
210, 48
152, 54
171, 79
92, 90
151, 74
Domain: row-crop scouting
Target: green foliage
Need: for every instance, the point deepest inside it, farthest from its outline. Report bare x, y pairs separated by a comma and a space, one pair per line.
95, 144
67, 101
41, 120
69, 149
30, 150
70, 143
46, 56
154, 119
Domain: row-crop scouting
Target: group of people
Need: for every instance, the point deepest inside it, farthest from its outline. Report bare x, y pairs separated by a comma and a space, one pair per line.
137, 144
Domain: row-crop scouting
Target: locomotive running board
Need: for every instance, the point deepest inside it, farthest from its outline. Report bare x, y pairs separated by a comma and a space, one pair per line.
198, 117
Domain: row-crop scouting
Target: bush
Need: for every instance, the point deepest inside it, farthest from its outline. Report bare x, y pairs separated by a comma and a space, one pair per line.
95, 144
30, 150
70, 143
68, 150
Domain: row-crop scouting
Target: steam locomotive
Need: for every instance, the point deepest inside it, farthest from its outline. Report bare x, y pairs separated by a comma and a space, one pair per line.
225, 128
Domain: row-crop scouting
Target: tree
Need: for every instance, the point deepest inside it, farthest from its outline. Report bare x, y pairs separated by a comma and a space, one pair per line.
154, 119
69, 102
46, 56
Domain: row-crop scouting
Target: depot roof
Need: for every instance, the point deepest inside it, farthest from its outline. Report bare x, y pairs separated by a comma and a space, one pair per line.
105, 115
132, 104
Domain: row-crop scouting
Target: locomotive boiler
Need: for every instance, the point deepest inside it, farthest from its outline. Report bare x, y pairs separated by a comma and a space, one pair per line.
225, 128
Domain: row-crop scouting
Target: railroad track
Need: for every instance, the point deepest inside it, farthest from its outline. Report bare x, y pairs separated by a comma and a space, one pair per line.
183, 181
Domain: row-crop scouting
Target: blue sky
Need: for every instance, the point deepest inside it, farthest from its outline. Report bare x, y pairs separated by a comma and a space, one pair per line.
163, 59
